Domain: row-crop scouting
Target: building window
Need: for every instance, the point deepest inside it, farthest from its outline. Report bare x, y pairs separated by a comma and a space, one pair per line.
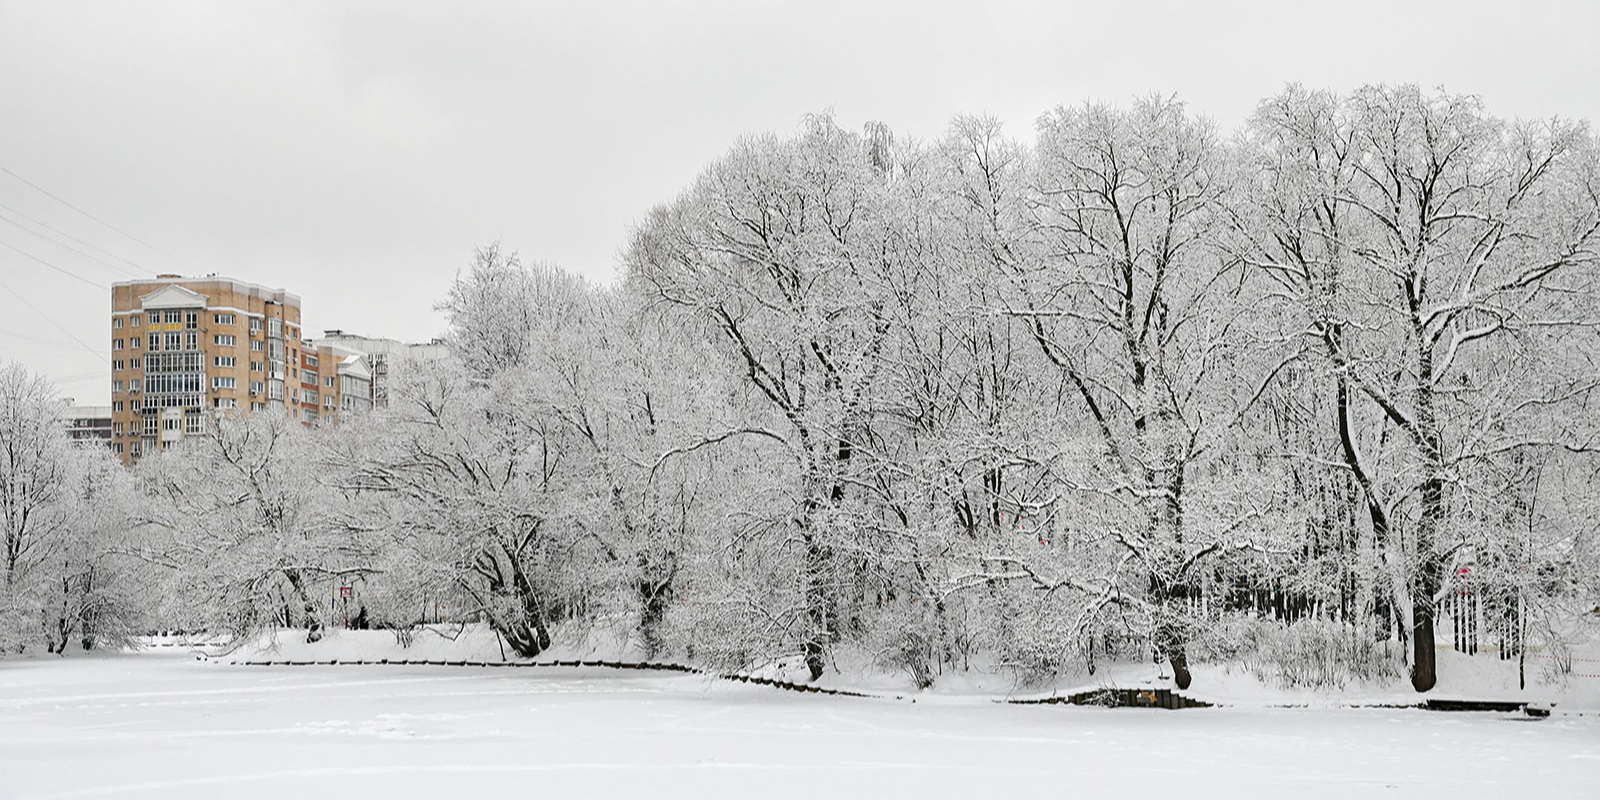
224, 383
255, 325
117, 406
133, 449
258, 406
116, 386
224, 319
116, 365
255, 345
224, 340
226, 402
152, 424
116, 344
155, 342
327, 381
255, 366
191, 319
174, 316
116, 429
226, 361
133, 385
172, 424
256, 387
275, 328
116, 322
133, 344
133, 363
133, 321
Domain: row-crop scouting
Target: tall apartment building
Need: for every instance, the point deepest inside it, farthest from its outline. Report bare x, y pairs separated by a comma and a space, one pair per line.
181, 346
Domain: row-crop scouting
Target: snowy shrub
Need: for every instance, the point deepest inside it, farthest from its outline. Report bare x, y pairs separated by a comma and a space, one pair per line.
1316, 654
1230, 638
905, 637
1040, 638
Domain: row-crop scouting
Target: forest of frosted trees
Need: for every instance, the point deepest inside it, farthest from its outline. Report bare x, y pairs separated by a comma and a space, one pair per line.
1315, 394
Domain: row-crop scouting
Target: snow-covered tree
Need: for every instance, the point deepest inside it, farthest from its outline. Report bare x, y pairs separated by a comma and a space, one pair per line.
62, 509
1438, 260
248, 518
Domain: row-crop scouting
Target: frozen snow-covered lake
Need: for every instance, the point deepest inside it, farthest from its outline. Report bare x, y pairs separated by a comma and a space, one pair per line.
166, 726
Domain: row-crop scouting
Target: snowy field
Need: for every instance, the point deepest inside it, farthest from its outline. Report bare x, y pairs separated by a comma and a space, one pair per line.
169, 726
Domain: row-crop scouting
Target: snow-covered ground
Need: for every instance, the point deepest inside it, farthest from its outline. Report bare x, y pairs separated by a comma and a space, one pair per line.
165, 725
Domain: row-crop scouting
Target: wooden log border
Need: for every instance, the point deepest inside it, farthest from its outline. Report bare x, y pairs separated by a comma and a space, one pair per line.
630, 665
1105, 698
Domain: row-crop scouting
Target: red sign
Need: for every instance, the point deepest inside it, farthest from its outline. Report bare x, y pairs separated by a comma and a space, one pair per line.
346, 591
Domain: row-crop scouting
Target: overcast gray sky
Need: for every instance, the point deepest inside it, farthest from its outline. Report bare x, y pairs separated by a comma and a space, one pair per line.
355, 152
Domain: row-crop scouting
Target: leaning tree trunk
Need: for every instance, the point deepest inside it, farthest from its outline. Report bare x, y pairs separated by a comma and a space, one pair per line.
529, 633
313, 619
1171, 637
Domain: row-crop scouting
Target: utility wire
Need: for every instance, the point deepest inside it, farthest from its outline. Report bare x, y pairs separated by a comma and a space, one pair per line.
62, 270
138, 271
80, 376
51, 320
47, 193
40, 340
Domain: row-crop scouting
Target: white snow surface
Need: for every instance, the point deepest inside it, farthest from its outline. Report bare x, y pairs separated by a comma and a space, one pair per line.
164, 724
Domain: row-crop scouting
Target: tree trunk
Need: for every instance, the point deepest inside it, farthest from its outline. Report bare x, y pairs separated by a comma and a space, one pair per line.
313, 620
815, 645
529, 634
1425, 588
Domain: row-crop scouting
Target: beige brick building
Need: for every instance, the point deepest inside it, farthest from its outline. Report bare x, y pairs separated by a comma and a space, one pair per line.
182, 346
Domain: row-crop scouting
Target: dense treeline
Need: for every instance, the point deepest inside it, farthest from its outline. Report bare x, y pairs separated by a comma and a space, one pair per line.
1132, 389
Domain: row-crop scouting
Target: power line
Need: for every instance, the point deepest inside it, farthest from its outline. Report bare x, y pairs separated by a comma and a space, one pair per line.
61, 270
52, 321
47, 193
70, 248
138, 272
81, 376
40, 340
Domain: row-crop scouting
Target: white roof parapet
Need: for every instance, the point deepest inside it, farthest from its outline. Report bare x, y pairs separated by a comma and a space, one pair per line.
172, 296
253, 289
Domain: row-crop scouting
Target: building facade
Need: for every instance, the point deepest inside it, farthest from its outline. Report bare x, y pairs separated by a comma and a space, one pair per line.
334, 381
381, 357
183, 346
89, 425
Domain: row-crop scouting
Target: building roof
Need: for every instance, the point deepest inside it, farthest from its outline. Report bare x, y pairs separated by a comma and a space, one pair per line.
238, 286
